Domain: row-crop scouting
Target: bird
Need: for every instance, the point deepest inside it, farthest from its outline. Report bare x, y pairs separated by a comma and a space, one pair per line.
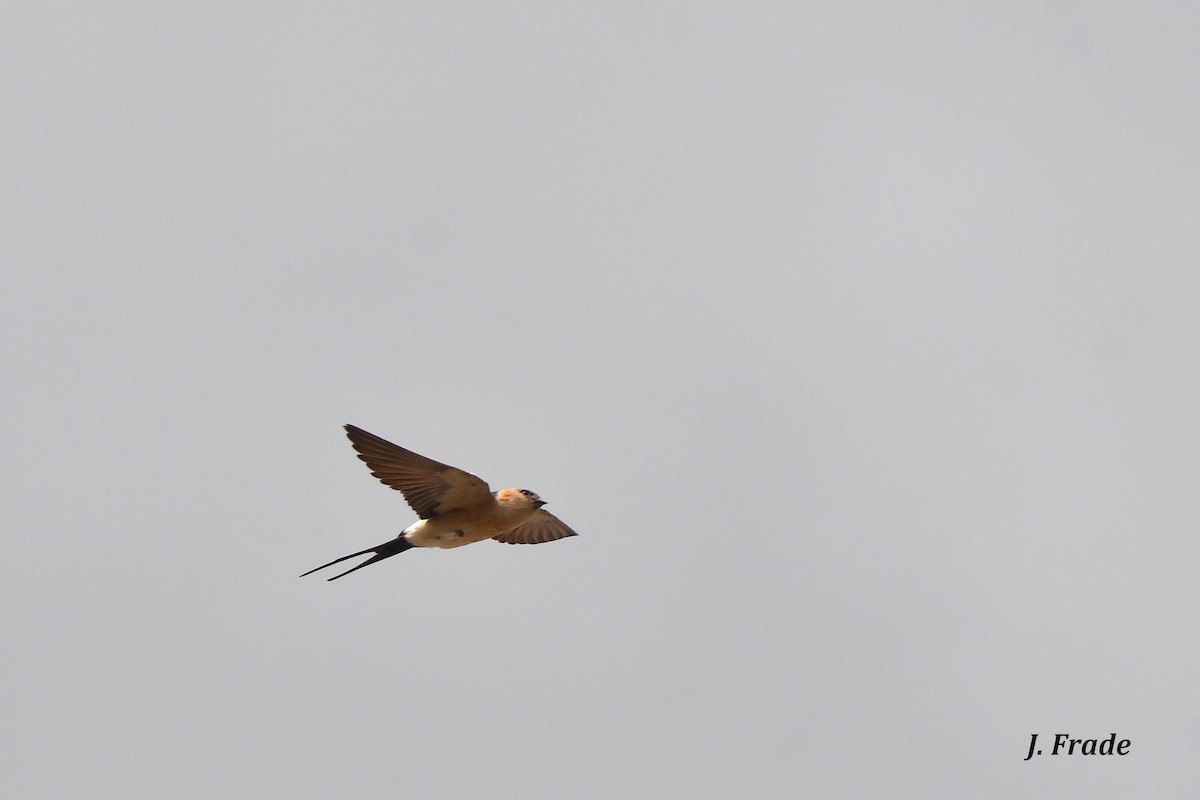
455, 507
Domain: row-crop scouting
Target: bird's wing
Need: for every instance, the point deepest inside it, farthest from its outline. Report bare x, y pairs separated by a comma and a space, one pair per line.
429, 486
541, 527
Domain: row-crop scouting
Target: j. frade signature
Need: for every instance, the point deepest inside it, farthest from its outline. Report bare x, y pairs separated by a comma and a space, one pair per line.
1066, 746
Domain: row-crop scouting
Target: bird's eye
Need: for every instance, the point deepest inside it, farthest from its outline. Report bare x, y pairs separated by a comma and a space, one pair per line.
527, 493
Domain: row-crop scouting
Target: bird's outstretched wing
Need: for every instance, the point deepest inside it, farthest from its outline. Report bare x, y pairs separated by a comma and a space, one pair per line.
429, 486
541, 527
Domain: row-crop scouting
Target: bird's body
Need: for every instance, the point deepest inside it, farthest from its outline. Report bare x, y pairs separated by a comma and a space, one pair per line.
455, 507
471, 524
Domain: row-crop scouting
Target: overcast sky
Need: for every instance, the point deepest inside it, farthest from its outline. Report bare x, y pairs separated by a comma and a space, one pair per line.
858, 341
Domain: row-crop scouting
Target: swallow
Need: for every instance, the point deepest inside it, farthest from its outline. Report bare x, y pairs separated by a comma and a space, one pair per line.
455, 507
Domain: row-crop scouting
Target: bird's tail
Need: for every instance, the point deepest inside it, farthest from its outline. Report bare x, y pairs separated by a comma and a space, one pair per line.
385, 550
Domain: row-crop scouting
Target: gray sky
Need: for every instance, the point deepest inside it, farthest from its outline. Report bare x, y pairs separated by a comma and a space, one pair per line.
859, 342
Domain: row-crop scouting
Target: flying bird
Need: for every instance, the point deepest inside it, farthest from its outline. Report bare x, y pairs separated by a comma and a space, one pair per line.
455, 507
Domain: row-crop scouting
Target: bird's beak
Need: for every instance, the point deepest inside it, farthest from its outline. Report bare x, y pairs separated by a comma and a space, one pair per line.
540, 503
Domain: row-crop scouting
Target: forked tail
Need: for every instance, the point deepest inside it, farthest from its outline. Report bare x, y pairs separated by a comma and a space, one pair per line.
385, 550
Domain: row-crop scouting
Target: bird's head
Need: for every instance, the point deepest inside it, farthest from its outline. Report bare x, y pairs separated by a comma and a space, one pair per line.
519, 499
